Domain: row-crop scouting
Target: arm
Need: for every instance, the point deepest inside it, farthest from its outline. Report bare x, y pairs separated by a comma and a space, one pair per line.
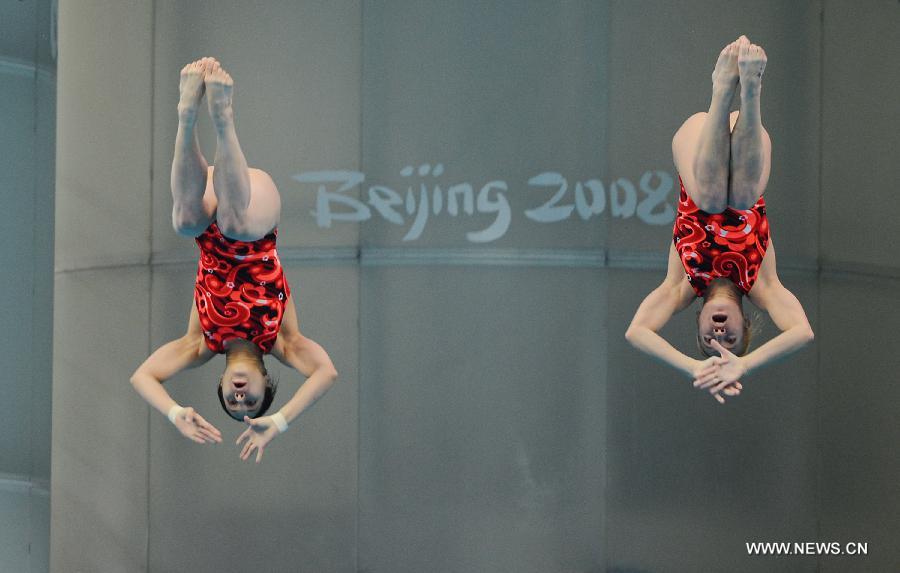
788, 315
655, 311
169, 359
166, 361
785, 311
310, 359
307, 357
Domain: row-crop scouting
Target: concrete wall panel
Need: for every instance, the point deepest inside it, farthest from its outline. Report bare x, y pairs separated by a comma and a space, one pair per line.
99, 470
490, 93
860, 135
482, 419
859, 492
103, 158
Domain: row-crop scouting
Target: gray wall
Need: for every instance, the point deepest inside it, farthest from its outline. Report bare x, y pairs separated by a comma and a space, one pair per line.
489, 416
27, 116
102, 311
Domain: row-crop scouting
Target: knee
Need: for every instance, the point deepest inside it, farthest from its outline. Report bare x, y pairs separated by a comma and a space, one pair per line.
743, 199
186, 224
710, 202
233, 227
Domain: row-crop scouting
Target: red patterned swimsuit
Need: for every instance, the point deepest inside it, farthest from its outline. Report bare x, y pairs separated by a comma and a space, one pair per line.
240, 291
730, 244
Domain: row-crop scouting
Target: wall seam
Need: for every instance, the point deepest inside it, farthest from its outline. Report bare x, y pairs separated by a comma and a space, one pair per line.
34, 276
604, 525
359, 285
819, 317
149, 266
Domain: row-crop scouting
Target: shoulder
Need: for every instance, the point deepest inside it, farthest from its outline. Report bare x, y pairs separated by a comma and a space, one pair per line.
676, 275
194, 345
285, 342
768, 269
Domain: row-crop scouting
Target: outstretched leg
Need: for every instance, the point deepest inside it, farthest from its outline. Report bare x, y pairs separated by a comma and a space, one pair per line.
702, 146
191, 214
248, 202
751, 149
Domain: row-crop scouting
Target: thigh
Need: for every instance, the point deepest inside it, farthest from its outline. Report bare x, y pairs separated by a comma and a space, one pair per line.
745, 196
684, 150
264, 210
262, 213
685, 143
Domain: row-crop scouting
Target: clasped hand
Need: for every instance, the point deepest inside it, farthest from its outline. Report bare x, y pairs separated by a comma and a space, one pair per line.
720, 374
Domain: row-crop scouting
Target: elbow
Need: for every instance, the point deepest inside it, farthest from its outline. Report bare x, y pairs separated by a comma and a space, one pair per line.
331, 374
808, 335
631, 335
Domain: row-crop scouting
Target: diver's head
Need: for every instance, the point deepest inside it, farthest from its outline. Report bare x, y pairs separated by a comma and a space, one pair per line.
245, 388
722, 318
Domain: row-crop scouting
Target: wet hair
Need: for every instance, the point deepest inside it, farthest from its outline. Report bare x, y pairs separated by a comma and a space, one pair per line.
271, 387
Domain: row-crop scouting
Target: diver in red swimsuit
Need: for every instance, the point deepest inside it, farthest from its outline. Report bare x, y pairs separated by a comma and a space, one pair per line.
240, 290
243, 306
721, 249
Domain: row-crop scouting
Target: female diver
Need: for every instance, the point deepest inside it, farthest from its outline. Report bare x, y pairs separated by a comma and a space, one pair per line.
721, 238
243, 307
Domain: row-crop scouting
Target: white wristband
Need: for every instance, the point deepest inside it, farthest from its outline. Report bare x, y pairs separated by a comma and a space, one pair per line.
280, 422
174, 411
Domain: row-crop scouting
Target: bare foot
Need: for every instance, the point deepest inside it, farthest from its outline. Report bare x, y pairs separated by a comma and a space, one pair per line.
219, 87
725, 74
191, 88
752, 64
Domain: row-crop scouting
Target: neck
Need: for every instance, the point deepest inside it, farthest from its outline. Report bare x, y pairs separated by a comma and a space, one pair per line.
238, 349
723, 288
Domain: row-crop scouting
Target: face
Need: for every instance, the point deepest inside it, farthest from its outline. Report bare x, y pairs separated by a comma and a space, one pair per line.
243, 388
723, 320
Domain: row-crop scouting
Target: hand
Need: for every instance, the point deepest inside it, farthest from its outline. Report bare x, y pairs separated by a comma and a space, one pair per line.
258, 435
703, 368
194, 427
720, 374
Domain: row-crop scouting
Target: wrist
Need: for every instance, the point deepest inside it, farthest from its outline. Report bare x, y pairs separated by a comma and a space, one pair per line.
745, 366
691, 367
174, 412
280, 422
